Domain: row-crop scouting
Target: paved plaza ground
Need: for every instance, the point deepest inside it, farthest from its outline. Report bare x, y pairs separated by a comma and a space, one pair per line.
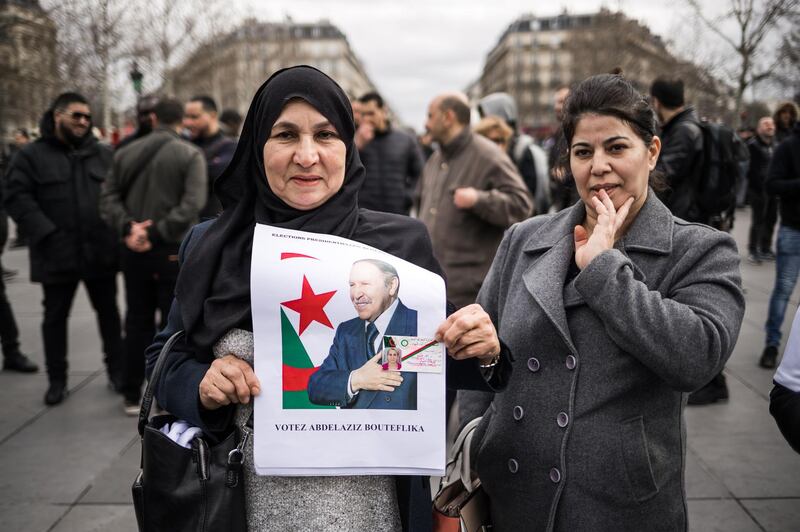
70, 467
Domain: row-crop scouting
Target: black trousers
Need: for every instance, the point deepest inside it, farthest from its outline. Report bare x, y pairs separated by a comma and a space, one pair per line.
9, 334
762, 226
58, 299
149, 287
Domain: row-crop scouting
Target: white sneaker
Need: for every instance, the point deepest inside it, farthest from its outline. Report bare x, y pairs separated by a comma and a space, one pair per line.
130, 408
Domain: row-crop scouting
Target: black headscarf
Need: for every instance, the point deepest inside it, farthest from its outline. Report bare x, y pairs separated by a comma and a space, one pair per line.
214, 283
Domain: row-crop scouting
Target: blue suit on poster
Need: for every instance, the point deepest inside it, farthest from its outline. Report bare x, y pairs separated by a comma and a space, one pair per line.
328, 385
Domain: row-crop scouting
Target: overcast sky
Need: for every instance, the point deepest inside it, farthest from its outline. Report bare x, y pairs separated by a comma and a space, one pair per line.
414, 49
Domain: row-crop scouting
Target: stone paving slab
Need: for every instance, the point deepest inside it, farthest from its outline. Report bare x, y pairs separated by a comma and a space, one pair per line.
113, 484
720, 516
98, 518
775, 515
55, 458
30, 516
701, 482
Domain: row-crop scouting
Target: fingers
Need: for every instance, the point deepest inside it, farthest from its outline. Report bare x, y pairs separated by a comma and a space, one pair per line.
607, 203
469, 332
392, 378
622, 213
211, 397
581, 236
236, 386
460, 322
228, 380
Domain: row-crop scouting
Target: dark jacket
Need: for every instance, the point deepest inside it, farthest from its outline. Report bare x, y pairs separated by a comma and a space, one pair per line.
169, 189
783, 178
328, 385
760, 156
589, 432
218, 151
177, 388
394, 163
681, 162
52, 193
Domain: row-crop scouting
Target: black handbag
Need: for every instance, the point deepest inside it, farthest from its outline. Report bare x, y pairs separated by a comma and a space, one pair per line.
461, 505
180, 489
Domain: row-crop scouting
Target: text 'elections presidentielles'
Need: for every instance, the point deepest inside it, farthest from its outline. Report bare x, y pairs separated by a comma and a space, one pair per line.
347, 427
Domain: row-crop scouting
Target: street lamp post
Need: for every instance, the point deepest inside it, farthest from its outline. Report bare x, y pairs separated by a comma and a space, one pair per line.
136, 78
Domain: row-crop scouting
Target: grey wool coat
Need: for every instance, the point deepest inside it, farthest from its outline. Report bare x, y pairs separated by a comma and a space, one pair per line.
589, 434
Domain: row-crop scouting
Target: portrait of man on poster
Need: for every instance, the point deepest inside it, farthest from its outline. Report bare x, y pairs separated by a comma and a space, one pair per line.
352, 376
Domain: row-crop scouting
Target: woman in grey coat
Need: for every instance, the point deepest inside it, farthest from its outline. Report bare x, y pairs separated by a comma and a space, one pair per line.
613, 310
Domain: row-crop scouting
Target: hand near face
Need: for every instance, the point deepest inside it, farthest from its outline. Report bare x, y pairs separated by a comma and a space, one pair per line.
465, 198
609, 222
229, 380
469, 332
137, 240
364, 134
371, 376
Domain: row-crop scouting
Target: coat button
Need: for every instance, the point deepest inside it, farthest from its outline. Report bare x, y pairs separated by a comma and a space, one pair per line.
562, 419
533, 364
571, 362
518, 412
513, 465
555, 475
387, 399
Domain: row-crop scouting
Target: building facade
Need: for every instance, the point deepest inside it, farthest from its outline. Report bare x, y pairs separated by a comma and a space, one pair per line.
231, 68
28, 73
537, 55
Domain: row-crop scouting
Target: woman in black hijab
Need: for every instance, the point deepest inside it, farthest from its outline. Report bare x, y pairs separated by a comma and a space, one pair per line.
296, 166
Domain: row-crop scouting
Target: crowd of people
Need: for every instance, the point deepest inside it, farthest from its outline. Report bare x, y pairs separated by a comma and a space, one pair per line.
589, 267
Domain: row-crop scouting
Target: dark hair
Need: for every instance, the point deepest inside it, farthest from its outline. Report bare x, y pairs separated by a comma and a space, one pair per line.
208, 103
668, 91
372, 97
610, 95
22, 132
786, 106
64, 100
232, 119
168, 112
457, 105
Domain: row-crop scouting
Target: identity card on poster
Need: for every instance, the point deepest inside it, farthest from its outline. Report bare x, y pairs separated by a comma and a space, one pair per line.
323, 308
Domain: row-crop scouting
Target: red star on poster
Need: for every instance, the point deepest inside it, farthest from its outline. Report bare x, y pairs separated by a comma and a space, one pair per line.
310, 306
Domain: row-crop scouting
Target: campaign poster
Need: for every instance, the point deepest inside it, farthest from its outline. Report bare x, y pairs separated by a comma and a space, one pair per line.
352, 379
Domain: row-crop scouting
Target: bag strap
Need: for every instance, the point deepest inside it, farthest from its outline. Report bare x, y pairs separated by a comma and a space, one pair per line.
459, 459
147, 400
141, 163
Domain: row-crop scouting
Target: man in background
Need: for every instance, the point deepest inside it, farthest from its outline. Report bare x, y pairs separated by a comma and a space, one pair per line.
391, 157
52, 191
152, 197
200, 120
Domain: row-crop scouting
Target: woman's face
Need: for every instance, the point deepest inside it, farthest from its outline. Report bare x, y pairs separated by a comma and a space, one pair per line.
392, 355
304, 157
606, 153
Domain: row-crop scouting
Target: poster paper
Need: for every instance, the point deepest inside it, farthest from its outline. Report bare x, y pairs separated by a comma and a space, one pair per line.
319, 302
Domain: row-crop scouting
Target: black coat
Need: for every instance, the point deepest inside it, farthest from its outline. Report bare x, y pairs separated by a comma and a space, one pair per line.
681, 161
52, 193
783, 178
394, 163
760, 155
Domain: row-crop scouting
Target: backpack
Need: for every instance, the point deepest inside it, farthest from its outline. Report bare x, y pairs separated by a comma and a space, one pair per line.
716, 189
542, 195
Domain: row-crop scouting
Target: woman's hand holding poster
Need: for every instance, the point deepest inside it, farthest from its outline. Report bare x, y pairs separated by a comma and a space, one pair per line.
352, 379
